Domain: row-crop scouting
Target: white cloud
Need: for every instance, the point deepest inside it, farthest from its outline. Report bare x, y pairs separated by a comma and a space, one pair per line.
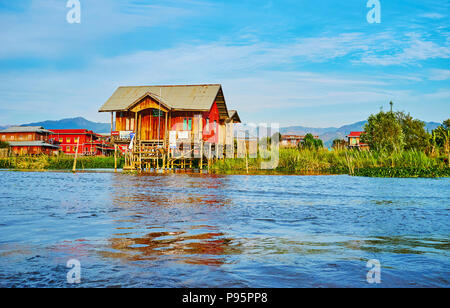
439, 74
433, 15
41, 30
411, 51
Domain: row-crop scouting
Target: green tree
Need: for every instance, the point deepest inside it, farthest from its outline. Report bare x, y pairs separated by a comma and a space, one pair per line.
383, 131
414, 133
4, 145
441, 136
339, 144
312, 143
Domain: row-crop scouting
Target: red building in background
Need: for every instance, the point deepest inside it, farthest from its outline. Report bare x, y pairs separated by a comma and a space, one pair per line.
89, 143
354, 141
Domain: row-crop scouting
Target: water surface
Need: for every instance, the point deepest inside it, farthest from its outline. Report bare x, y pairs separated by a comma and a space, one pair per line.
193, 230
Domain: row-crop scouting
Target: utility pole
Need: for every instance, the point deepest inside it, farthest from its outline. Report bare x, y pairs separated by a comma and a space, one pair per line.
392, 105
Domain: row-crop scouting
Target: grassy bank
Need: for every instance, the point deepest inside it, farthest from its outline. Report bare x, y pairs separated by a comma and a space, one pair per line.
361, 163
59, 162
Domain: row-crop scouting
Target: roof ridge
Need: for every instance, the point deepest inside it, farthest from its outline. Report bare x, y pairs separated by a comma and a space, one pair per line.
169, 86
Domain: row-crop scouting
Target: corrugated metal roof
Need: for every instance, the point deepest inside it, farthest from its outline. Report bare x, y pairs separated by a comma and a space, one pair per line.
234, 114
33, 143
355, 134
26, 129
182, 97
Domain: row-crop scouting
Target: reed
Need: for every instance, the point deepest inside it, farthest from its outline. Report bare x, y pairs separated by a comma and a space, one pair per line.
61, 162
369, 163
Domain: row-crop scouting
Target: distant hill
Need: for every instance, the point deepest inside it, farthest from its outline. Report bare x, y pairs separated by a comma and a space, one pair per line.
74, 123
4, 127
327, 134
330, 133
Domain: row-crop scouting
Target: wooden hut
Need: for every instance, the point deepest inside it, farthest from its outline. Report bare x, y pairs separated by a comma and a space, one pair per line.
151, 121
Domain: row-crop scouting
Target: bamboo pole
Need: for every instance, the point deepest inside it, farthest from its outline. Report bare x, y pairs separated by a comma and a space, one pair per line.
115, 157
76, 155
246, 158
201, 155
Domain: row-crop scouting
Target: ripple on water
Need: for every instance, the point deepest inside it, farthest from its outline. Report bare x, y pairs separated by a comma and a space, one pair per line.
222, 231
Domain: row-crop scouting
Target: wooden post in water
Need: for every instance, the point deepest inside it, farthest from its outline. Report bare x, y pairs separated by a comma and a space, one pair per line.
246, 158
201, 155
76, 154
115, 157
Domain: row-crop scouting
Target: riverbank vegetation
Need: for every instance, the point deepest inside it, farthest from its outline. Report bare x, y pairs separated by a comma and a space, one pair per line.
410, 163
399, 147
60, 162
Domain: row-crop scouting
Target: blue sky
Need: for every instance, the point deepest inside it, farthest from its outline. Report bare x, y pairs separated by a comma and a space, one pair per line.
299, 62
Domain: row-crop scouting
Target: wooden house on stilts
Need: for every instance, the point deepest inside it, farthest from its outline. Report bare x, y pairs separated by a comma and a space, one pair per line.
167, 126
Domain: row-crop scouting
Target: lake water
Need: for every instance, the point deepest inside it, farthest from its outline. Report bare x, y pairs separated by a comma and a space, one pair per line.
185, 230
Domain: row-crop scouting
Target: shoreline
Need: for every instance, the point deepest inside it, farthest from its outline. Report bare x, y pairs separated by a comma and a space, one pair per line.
444, 174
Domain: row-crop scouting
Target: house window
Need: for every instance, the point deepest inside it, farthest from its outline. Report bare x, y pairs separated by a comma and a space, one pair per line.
75, 140
187, 123
60, 140
207, 126
68, 149
215, 127
67, 140
3, 137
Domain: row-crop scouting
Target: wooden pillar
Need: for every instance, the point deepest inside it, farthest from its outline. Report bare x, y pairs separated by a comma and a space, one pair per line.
135, 122
165, 133
115, 157
76, 155
140, 126
201, 154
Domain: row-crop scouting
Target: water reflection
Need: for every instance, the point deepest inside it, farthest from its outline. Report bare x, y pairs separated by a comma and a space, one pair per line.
148, 198
214, 231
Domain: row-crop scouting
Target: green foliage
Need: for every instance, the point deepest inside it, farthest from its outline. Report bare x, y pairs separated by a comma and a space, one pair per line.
339, 144
366, 163
403, 172
383, 131
389, 131
62, 162
415, 135
309, 142
441, 136
4, 145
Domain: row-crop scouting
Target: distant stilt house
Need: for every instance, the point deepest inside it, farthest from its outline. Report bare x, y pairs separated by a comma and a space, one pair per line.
29, 140
152, 121
289, 141
354, 141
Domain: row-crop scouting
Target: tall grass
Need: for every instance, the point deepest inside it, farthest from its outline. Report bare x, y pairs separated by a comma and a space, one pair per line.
61, 162
347, 162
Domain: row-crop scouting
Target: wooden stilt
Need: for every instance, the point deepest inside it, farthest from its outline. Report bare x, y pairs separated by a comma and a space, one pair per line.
201, 155
115, 157
76, 155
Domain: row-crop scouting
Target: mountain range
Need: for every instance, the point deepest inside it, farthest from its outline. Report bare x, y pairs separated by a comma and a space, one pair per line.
74, 123
327, 134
